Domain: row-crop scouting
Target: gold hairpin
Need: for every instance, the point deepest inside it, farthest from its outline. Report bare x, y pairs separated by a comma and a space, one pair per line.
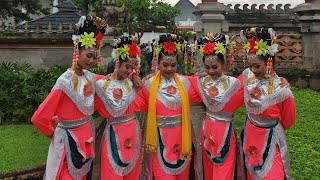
170, 58
212, 58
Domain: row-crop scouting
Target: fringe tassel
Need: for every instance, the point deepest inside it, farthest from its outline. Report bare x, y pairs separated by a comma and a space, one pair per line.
168, 170
74, 172
151, 148
114, 110
268, 161
75, 83
215, 105
123, 171
84, 104
275, 98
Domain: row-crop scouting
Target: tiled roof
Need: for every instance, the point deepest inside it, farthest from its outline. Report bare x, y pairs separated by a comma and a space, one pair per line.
187, 9
68, 13
67, 5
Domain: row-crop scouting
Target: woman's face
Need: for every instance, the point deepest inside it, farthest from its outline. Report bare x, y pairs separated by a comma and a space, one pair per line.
87, 57
126, 68
213, 67
258, 67
168, 66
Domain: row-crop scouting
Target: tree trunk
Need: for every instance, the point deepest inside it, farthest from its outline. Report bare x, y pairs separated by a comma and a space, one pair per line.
140, 34
86, 7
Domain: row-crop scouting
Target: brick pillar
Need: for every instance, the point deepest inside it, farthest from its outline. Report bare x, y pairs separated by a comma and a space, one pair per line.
308, 14
210, 17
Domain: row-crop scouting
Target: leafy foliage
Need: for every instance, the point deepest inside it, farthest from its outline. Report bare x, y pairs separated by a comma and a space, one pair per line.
22, 89
142, 15
12, 8
85, 4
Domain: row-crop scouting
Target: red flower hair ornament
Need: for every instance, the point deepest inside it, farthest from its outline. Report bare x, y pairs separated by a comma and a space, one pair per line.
134, 51
209, 48
169, 47
99, 37
253, 41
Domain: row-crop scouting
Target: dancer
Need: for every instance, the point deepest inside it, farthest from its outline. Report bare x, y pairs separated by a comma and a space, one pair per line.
121, 142
71, 151
222, 96
271, 110
170, 153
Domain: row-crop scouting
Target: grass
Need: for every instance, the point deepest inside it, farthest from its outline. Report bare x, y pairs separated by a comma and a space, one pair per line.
303, 137
22, 145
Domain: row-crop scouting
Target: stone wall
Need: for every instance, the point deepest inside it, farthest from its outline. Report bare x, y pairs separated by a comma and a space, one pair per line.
297, 31
41, 47
44, 57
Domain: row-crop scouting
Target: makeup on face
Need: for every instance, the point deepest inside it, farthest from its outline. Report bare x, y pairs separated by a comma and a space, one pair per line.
213, 67
258, 67
168, 66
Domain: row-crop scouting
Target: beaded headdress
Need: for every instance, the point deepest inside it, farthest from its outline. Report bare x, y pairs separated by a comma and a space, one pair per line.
169, 45
260, 42
89, 33
127, 48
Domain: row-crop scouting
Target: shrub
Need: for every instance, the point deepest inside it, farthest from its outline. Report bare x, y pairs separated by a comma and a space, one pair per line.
22, 89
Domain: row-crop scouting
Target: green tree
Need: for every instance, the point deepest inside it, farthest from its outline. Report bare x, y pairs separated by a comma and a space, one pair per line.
85, 4
144, 15
140, 15
13, 8
185, 34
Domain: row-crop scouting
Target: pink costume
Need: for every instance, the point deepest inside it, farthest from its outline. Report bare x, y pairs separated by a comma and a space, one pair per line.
121, 142
71, 151
222, 97
271, 110
166, 163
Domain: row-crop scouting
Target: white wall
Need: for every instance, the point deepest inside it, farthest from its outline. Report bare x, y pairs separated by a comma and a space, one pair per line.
186, 23
147, 36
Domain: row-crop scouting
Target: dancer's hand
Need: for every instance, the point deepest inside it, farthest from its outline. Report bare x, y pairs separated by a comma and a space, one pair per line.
90, 140
108, 77
54, 121
200, 74
50, 136
284, 83
137, 82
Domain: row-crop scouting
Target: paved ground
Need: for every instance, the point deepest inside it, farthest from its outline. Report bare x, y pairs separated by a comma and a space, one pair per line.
197, 115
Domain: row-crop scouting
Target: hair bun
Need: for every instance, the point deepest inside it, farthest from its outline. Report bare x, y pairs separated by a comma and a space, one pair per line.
91, 24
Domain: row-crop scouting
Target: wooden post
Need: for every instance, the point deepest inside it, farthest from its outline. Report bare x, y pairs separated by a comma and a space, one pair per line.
49, 27
26, 27
3, 26
60, 27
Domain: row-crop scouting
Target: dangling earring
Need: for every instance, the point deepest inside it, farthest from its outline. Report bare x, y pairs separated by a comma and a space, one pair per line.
185, 59
244, 59
75, 56
117, 65
154, 62
99, 60
269, 67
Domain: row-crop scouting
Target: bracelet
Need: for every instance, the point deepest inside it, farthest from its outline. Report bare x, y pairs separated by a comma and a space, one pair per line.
132, 74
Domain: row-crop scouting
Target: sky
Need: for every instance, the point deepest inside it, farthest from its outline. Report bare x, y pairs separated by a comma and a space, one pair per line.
292, 2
